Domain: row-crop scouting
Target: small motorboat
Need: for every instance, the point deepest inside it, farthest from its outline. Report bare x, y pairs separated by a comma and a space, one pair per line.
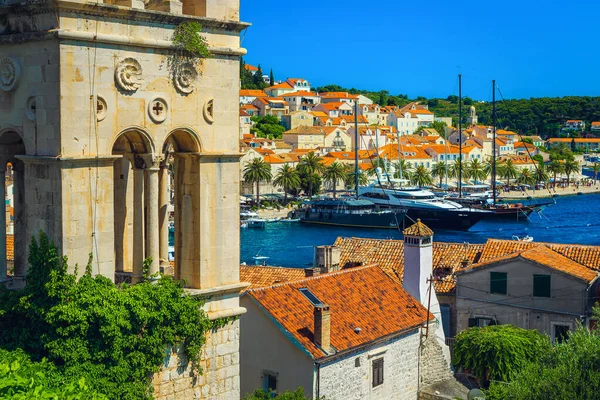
522, 238
260, 260
243, 224
276, 219
248, 214
255, 222
291, 220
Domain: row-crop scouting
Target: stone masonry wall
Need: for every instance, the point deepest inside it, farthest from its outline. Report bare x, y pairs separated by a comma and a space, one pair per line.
220, 377
434, 366
348, 379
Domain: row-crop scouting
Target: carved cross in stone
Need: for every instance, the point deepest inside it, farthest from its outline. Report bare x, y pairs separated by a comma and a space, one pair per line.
157, 108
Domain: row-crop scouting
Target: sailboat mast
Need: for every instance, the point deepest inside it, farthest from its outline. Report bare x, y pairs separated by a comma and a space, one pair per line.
494, 140
356, 146
460, 166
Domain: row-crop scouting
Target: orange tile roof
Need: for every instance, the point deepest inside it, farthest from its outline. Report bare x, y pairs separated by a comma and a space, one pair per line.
327, 161
10, 247
595, 123
263, 151
338, 95
418, 229
252, 93
249, 107
525, 144
350, 118
282, 85
542, 254
389, 256
273, 159
362, 297
305, 130
560, 140
300, 93
349, 155
503, 132
319, 114
268, 276
249, 67
574, 121
421, 112
587, 140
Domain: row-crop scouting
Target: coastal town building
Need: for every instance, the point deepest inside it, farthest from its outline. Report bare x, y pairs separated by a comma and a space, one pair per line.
579, 144
323, 334
245, 123
86, 87
301, 100
275, 106
248, 96
574, 125
305, 137
595, 126
297, 118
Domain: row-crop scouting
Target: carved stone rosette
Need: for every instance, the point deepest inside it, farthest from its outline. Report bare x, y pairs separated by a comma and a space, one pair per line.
9, 73
185, 76
208, 110
128, 75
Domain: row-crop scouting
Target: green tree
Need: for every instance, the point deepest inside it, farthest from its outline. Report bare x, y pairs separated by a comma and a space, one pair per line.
571, 166
421, 176
595, 171
349, 182
256, 172
267, 126
555, 167
439, 127
570, 371
402, 169
257, 78
263, 395
476, 170
541, 173
508, 171
287, 178
457, 166
334, 174
498, 352
383, 98
526, 177
311, 164
440, 171
271, 78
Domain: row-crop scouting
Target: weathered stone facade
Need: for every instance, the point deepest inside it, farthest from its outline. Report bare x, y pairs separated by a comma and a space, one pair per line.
346, 378
95, 112
220, 358
434, 363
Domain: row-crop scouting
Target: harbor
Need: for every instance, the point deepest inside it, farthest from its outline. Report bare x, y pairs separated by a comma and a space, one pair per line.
292, 244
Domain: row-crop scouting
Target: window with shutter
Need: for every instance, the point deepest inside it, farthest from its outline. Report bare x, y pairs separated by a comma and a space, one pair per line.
541, 285
377, 372
498, 282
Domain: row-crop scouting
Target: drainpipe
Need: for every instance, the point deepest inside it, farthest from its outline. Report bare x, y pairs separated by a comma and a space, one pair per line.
318, 388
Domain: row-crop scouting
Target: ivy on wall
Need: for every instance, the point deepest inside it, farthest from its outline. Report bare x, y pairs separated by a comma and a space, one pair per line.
114, 337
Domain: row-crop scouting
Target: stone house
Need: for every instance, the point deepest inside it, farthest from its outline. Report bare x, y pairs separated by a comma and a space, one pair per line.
534, 288
305, 137
335, 109
297, 118
323, 333
302, 100
276, 106
336, 139
247, 96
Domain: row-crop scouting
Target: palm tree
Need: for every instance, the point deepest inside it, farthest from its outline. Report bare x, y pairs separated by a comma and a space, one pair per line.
457, 166
595, 170
571, 166
363, 179
555, 167
439, 170
402, 166
311, 164
526, 177
541, 175
421, 176
476, 170
287, 178
333, 174
377, 163
508, 171
255, 172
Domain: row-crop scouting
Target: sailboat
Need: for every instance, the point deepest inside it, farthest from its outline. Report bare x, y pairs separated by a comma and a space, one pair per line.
500, 210
351, 211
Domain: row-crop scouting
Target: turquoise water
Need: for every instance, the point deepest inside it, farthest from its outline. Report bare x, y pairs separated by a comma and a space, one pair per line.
573, 219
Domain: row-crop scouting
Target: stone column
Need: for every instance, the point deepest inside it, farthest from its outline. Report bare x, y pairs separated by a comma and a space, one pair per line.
163, 214
3, 221
152, 230
138, 223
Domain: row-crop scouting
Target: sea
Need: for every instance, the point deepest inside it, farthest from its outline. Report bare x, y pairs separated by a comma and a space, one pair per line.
572, 219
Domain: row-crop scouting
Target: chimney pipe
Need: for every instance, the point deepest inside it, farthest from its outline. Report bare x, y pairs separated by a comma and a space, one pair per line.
308, 272
322, 328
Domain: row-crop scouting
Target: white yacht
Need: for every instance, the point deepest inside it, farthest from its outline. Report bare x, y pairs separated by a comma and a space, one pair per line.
420, 203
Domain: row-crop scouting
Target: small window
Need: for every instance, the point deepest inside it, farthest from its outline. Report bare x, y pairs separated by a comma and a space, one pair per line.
498, 282
560, 333
377, 372
270, 382
541, 285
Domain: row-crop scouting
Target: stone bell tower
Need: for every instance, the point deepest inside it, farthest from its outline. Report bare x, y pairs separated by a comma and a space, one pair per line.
98, 114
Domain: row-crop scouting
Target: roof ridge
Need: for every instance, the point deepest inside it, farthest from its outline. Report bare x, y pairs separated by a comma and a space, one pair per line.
311, 278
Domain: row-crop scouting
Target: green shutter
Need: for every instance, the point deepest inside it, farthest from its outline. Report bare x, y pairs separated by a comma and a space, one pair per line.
541, 285
498, 282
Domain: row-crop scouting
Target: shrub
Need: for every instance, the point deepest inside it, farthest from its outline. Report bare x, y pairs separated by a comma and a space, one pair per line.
498, 352
263, 395
114, 337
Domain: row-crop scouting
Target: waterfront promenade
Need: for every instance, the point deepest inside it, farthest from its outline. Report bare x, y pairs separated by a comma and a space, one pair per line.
549, 192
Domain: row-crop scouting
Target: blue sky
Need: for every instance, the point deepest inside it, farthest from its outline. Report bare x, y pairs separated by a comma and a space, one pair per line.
533, 48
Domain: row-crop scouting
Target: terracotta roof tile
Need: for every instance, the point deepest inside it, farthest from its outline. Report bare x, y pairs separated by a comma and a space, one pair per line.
542, 254
418, 229
389, 256
268, 276
252, 93
358, 298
